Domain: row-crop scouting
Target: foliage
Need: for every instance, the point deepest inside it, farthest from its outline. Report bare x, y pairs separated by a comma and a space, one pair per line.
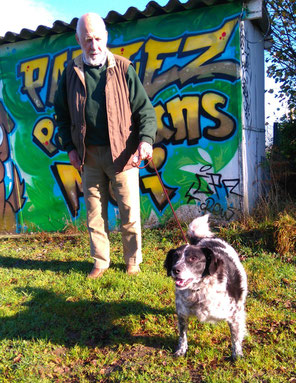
282, 159
281, 58
287, 141
285, 233
58, 326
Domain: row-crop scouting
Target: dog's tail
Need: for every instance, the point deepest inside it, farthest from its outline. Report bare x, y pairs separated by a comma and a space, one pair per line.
199, 229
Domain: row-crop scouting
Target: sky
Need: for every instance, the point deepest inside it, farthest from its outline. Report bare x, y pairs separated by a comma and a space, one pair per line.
18, 14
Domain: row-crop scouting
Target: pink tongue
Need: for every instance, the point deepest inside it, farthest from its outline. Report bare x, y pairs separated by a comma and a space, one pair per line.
180, 282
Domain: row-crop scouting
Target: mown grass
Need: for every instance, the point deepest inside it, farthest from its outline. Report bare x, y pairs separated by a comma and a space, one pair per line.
58, 326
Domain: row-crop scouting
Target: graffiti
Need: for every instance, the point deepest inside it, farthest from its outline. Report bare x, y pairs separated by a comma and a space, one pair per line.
43, 133
192, 58
12, 203
209, 193
181, 113
193, 80
43, 72
69, 181
33, 72
184, 116
151, 184
246, 73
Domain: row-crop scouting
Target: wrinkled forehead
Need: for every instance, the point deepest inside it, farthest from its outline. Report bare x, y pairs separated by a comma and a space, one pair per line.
94, 35
95, 31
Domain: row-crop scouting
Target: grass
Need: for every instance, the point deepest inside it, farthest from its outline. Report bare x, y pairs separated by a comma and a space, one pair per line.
58, 326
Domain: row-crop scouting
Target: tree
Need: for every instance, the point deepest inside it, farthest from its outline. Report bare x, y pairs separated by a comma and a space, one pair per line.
281, 57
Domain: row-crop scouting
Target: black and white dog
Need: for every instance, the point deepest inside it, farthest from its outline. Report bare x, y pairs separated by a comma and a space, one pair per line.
211, 284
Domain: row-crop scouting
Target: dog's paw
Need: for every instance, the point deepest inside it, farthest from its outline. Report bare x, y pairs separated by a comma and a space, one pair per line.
180, 352
236, 352
237, 356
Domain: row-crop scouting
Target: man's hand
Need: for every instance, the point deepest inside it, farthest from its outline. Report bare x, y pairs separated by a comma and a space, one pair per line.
75, 160
145, 152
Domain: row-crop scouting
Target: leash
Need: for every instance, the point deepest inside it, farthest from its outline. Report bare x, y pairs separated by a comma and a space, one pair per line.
137, 164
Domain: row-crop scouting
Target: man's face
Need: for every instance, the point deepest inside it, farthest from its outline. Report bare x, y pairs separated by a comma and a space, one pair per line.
93, 41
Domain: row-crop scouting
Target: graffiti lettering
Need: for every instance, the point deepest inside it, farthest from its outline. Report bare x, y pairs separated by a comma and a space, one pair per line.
183, 113
33, 73
211, 192
151, 184
164, 133
10, 203
158, 51
225, 126
58, 66
159, 157
69, 181
211, 44
230, 185
187, 77
43, 132
184, 119
192, 57
130, 51
210, 206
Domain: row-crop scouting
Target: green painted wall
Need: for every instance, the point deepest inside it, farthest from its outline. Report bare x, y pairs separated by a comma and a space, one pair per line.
189, 63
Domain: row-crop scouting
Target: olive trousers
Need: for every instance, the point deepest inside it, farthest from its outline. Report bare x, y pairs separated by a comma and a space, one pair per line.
97, 176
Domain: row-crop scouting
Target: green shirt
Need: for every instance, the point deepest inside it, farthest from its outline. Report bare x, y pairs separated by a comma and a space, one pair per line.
95, 107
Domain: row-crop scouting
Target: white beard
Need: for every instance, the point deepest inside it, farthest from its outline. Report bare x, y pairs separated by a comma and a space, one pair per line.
100, 59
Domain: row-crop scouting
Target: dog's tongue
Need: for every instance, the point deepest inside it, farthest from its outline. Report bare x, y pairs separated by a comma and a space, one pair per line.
180, 282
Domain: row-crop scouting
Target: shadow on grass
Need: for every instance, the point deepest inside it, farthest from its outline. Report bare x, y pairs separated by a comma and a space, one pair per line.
52, 265
55, 318
55, 265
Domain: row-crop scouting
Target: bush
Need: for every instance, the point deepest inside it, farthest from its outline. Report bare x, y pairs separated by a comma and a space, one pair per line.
285, 233
282, 157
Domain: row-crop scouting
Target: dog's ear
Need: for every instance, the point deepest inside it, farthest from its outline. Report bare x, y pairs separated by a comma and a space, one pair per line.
215, 265
168, 263
212, 261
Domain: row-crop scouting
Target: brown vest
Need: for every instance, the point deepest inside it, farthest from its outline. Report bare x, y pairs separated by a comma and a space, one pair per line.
124, 137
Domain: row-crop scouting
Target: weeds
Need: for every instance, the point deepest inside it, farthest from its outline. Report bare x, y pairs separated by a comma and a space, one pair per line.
285, 233
58, 326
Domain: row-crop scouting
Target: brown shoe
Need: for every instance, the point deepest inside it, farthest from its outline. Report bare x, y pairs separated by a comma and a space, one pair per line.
96, 273
133, 270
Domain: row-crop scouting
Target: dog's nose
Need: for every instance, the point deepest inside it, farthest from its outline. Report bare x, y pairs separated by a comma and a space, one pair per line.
176, 270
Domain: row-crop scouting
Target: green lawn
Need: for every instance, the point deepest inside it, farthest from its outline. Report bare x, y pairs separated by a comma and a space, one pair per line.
58, 326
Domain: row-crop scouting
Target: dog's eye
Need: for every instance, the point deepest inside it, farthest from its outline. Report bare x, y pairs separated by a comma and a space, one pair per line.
192, 258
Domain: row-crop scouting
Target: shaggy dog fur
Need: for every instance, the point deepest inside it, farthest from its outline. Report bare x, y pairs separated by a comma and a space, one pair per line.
211, 284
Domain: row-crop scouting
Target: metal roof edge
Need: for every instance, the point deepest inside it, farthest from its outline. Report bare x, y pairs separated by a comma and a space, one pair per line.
152, 9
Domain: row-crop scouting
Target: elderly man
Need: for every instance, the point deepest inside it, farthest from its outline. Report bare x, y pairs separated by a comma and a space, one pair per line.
106, 122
